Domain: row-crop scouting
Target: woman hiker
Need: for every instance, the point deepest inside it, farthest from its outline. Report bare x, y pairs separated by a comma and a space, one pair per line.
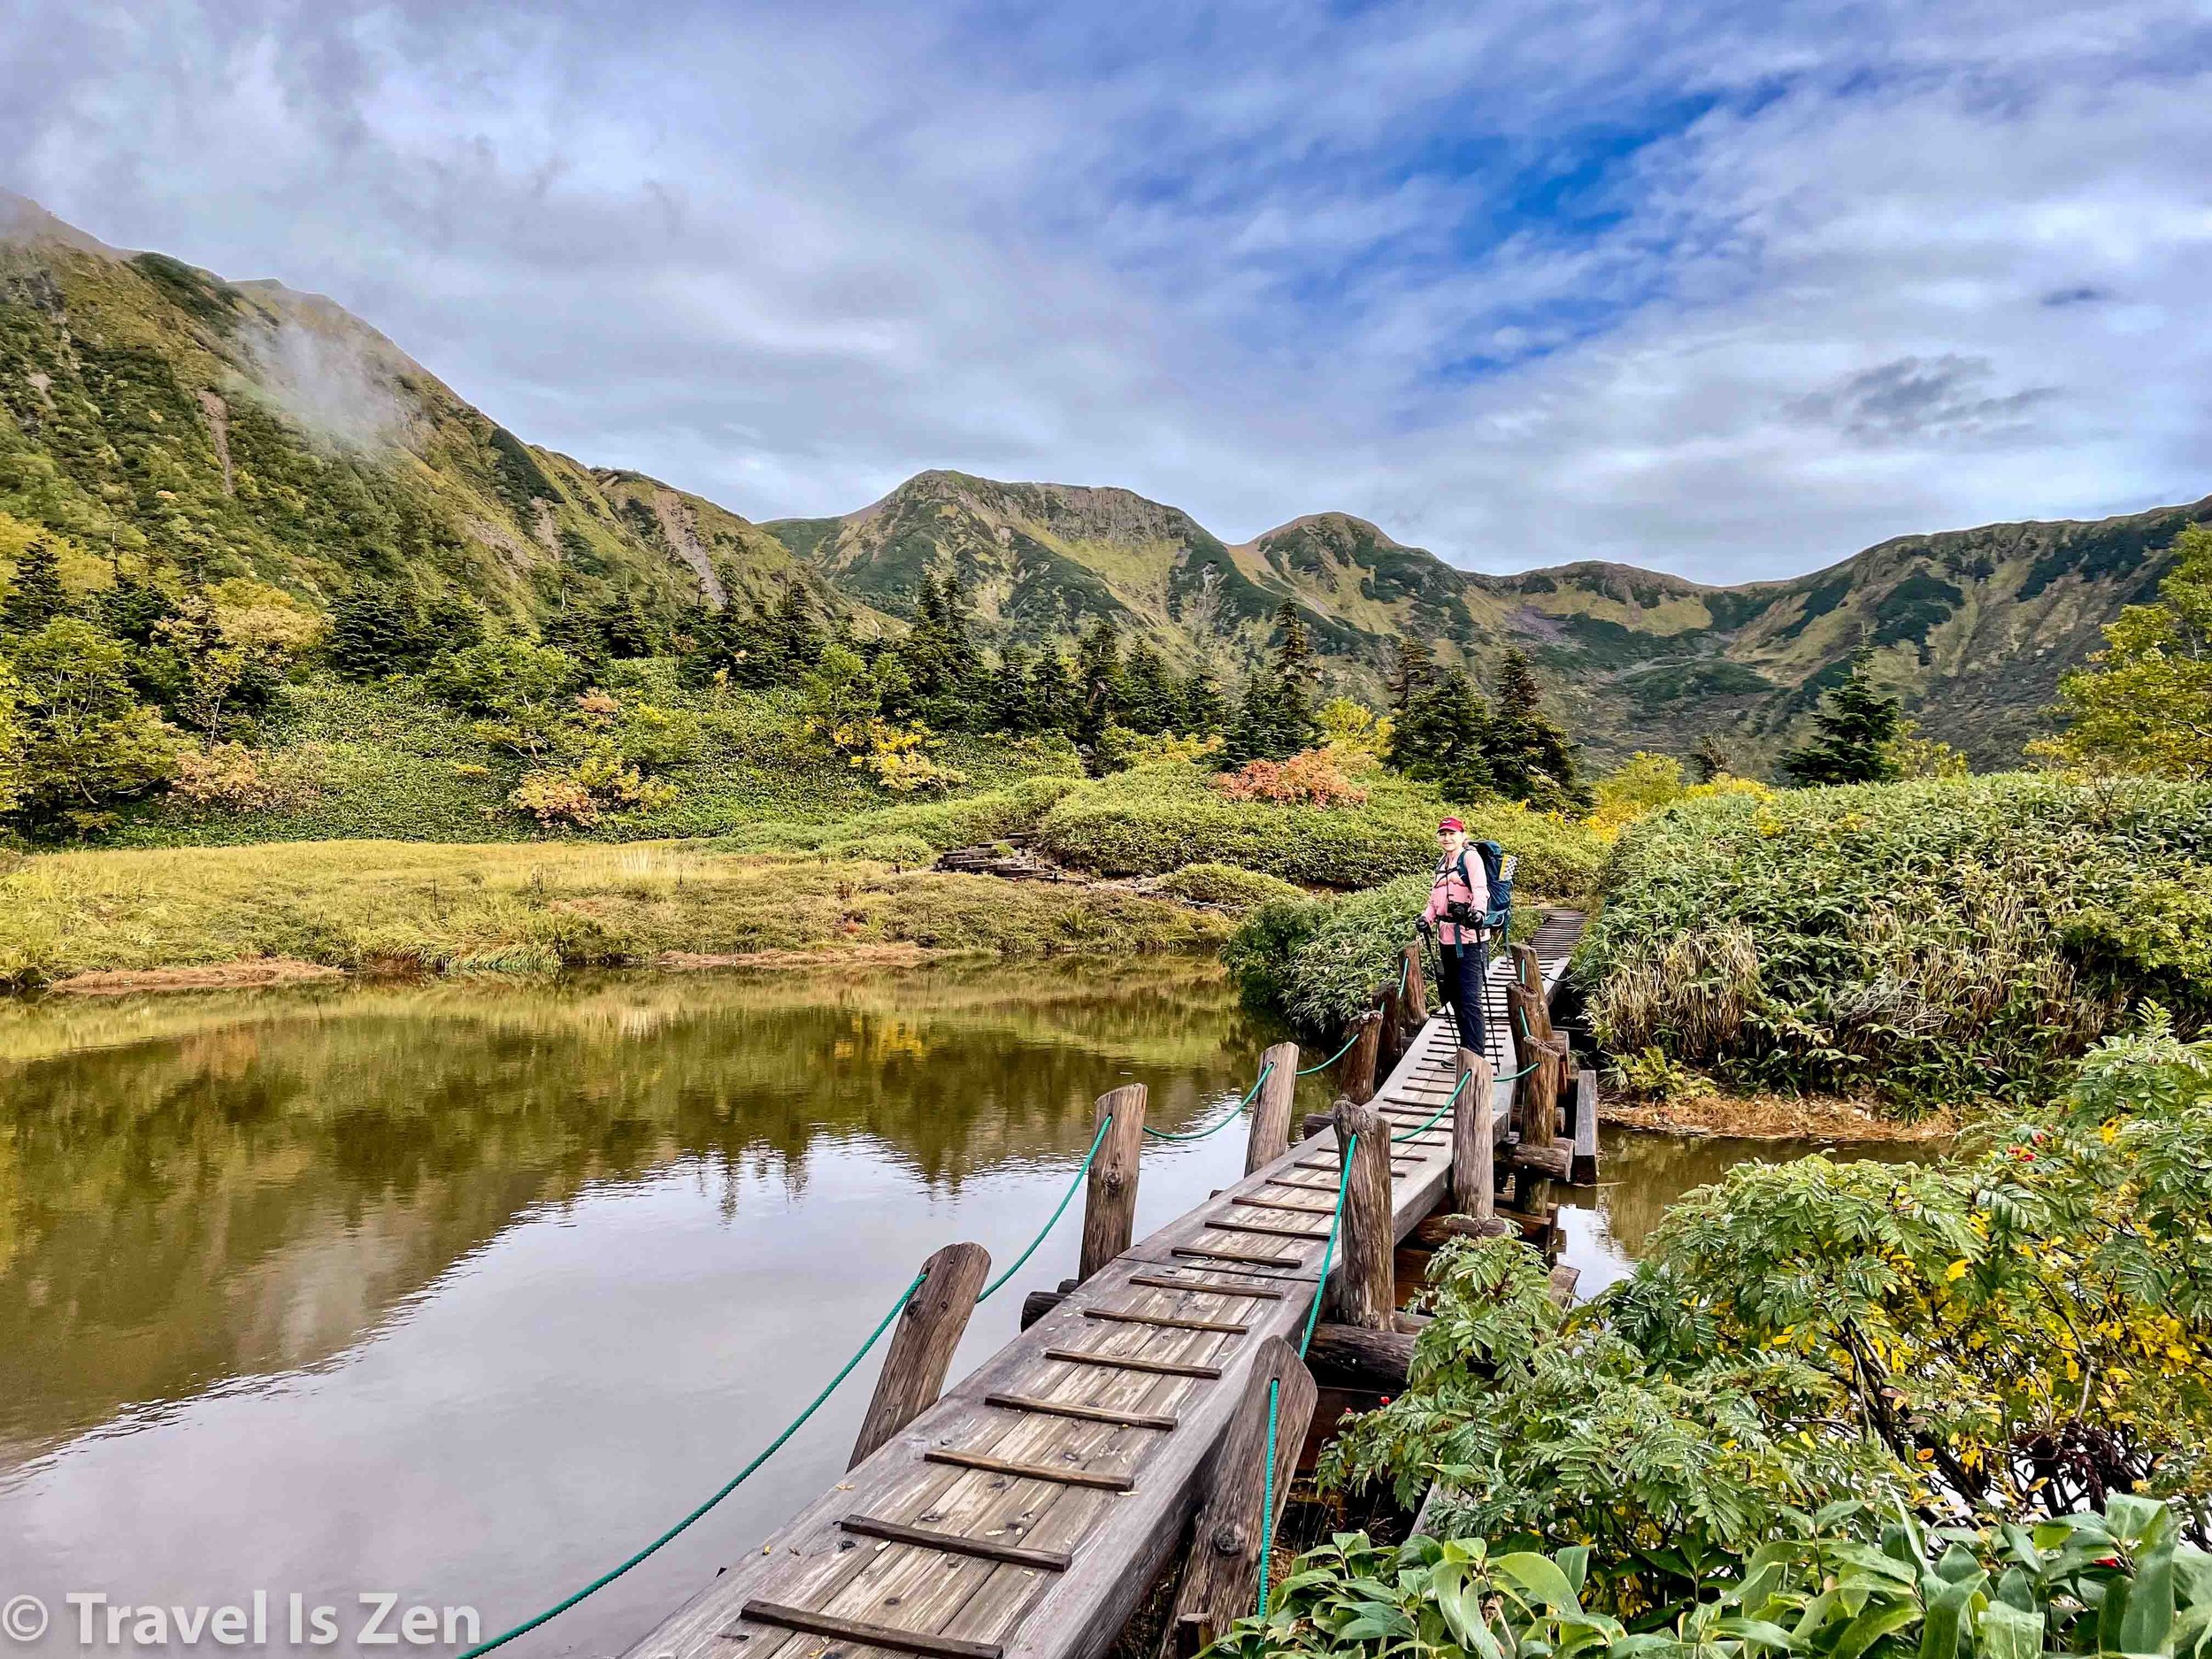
1456, 903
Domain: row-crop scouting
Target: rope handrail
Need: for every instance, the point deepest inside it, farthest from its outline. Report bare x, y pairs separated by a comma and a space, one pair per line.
1083, 1169
1323, 1065
1424, 1128
728, 1486
1200, 1135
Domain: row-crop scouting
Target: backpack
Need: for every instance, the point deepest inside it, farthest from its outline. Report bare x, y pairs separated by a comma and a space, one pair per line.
1497, 870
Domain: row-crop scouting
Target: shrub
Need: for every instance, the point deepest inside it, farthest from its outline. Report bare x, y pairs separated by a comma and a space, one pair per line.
2117, 1582
1156, 818
2011, 1333
1936, 939
1228, 887
1310, 778
232, 777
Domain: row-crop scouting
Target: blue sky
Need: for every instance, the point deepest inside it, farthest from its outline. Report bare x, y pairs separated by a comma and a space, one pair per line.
1687, 285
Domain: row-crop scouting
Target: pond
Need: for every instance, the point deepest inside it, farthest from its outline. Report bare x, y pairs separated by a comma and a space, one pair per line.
464, 1291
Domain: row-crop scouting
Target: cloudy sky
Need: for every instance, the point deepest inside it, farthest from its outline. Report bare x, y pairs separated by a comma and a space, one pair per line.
1667, 282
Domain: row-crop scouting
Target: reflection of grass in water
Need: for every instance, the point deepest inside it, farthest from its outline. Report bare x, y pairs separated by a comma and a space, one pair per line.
533, 906
208, 1185
1064, 995
1645, 1172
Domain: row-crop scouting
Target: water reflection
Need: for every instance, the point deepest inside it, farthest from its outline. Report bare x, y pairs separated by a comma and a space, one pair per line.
465, 1290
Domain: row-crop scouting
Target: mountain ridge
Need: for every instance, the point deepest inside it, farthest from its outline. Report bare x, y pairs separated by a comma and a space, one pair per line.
152, 411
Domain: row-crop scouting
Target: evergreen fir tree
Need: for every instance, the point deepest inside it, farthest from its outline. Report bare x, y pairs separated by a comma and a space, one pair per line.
1442, 736
1853, 727
1203, 710
376, 630
1007, 693
1531, 759
1151, 699
35, 596
1098, 677
1053, 706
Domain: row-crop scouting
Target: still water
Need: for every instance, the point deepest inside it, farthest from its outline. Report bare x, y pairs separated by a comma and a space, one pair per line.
462, 1292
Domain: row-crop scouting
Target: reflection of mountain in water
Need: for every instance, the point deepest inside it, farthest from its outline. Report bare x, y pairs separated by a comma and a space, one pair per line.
194, 1191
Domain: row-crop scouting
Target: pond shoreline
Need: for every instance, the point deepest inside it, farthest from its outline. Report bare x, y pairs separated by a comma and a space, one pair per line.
1777, 1117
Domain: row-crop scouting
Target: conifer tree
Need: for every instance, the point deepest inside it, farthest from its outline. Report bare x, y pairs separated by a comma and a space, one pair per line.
1275, 714
1853, 728
375, 631
1007, 692
1204, 710
1442, 736
1052, 699
35, 594
1708, 760
1099, 687
1150, 697
1531, 759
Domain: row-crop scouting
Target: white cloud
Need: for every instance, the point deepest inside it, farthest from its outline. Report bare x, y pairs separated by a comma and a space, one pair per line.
1254, 261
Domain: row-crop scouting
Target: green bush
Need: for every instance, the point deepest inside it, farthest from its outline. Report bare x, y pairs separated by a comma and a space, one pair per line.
1161, 818
1934, 940
2011, 1333
1318, 963
1228, 887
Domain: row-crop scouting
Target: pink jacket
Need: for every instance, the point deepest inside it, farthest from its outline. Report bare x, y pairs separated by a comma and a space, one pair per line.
1474, 891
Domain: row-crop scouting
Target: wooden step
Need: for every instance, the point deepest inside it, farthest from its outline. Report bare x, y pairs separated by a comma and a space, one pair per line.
814, 1624
1059, 1477
1082, 1413
1231, 1255
1133, 1362
958, 1543
1168, 1321
1210, 1286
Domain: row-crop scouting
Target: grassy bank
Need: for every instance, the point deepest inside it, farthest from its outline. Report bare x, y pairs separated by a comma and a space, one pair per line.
1932, 942
446, 908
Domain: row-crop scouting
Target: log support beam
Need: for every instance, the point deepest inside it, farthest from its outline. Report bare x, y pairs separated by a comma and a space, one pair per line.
1221, 1578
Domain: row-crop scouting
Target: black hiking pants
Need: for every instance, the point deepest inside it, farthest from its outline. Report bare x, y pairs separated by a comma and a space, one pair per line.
1463, 969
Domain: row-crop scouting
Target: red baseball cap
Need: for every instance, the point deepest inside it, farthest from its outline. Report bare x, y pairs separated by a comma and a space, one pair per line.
1451, 823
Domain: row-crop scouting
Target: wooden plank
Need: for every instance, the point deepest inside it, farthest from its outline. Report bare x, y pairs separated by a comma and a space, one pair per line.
813, 1623
956, 1543
1132, 1362
1277, 1204
1165, 1321
1076, 1410
1031, 1472
1585, 1169
1230, 1255
1267, 1231
1210, 1286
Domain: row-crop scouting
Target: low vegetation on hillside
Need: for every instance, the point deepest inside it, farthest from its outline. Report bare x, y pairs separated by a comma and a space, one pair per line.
1934, 941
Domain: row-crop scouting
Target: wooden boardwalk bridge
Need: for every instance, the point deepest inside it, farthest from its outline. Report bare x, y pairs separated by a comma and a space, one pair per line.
1029, 1511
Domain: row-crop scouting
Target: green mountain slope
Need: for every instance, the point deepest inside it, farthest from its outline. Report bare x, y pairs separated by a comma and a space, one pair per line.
151, 411
1973, 627
152, 414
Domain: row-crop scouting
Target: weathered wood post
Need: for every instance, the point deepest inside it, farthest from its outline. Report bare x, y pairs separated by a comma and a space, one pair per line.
1390, 1007
1223, 1575
1540, 1094
1357, 1079
1270, 1137
1528, 973
1367, 1244
1474, 1139
1416, 1001
922, 1340
1110, 1204
1584, 1169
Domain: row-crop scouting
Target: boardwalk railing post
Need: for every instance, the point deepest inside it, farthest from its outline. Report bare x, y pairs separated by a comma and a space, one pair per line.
928, 1330
1367, 1244
1271, 1112
1109, 1204
1584, 1169
1417, 1003
1474, 1139
1357, 1079
1223, 1575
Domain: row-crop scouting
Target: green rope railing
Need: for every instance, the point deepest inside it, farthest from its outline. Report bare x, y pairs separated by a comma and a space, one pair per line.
1274, 1390
1420, 1129
1200, 1135
727, 1487
1308, 1070
1061, 1209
